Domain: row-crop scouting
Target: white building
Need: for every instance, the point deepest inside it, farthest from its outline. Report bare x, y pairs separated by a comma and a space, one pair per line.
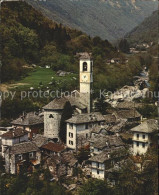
106, 160
79, 126
142, 136
12, 137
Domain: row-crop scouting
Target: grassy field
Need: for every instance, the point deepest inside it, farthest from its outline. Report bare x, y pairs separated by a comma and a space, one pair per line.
41, 77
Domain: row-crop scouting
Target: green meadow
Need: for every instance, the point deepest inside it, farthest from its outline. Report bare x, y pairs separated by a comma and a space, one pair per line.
42, 77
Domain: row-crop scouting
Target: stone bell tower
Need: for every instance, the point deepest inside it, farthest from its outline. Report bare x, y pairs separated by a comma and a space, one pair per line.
86, 79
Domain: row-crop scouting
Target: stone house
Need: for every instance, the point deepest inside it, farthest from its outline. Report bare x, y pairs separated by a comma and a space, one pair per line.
106, 160
22, 157
99, 143
31, 122
142, 136
15, 136
79, 126
62, 165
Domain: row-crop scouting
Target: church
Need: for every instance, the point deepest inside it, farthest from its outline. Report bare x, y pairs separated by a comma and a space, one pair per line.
81, 104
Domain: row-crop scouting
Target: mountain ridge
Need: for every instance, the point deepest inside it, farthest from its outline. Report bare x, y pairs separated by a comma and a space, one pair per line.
109, 19
147, 31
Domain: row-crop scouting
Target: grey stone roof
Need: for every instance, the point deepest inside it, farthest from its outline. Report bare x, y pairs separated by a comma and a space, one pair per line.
40, 140
19, 132
102, 157
118, 127
127, 105
147, 126
29, 119
99, 128
56, 104
86, 118
101, 141
23, 148
127, 114
108, 154
69, 158
77, 102
66, 158
84, 55
109, 118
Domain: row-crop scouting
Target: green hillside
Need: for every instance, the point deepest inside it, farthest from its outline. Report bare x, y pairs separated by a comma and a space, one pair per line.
30, 38
109, 19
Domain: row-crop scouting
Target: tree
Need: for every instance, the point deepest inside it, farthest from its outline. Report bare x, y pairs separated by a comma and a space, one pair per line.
67, 113
124, 46
95, 187
101, 105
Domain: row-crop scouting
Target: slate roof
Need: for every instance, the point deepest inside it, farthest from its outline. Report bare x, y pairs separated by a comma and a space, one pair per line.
99, 128
84, 55
109, 118
127, 105
102, 141
29, 119
147, 126
106, 155
54, 147
127, 114
56, 104
118, 127
77, 102
102, 157
68, 158
14, 133
24, 147
40, 140
86, 118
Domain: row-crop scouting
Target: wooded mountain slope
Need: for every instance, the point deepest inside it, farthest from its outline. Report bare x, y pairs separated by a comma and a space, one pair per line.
147, 31
109, 19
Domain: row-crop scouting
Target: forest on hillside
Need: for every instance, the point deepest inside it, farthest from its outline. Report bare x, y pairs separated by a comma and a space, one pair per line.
30, 38
146, 32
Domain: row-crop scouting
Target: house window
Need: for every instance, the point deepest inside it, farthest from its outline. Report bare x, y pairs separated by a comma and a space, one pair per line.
86, 126
98, 172
137, 144
143, 145
71, 142
143, 136
71, 126
84, 66
31, 154
137, 135
98, 165
70, 135
20, 157
51, 116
